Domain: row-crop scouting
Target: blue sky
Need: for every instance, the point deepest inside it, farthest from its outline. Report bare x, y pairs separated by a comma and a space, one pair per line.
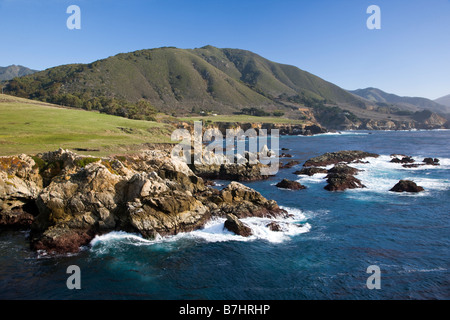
409, 55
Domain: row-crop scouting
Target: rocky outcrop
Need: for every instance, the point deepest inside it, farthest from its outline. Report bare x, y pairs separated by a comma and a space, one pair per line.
431, 161
341, 182
236, 226
20, 182
273, 226
404, 159
243, 202
409, 162
245, 167
149, 193
336, 157
342, 168
341, 177
15, 219
289, 164
407, 186
232, 172
310, 171
288, 184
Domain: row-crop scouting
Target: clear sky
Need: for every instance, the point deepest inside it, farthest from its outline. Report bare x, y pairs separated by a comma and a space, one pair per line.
409, 55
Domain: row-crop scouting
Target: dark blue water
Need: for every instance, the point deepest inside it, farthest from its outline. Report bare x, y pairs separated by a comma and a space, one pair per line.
407, 236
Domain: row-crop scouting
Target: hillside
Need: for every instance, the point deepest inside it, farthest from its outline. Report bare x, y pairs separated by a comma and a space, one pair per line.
32, 127
10, 72
404, 103
207, 81
178, 80
445, 100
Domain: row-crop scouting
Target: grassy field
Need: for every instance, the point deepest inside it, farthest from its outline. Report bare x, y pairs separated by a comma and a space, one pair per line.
241, 119
28, 126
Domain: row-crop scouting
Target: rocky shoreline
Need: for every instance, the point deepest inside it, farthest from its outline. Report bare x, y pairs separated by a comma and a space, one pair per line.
67, 199
342, 176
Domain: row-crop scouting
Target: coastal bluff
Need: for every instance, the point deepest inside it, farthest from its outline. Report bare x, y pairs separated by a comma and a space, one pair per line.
67, 199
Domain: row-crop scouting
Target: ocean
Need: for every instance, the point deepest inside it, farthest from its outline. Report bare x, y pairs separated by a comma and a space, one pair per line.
323, 251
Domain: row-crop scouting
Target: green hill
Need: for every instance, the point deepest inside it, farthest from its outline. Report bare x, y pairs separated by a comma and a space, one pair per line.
178, 81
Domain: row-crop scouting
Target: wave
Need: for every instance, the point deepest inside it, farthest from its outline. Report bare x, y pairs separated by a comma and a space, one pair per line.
340, 133
317, 178
380, 175
214, 231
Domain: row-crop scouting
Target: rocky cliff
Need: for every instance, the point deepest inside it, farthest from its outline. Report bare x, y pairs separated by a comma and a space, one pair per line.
67, 199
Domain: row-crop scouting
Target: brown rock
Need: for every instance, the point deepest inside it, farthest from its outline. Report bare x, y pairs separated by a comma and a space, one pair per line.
310, 171
406, 186
273, 226
336, 157
290, 164
15, 219
340, 182
288, 184
431, 161
236, 226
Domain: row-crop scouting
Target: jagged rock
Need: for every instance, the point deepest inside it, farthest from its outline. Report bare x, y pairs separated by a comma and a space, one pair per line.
68, 199
15, 219
340, 178
310, 171
431, 161
336, 157
412, 165
315, 129
285, 155
290, 164
340, 182
288, 184
236, 226
20, 181
273, 226
406, 186
405, 159
342, 168
244, 202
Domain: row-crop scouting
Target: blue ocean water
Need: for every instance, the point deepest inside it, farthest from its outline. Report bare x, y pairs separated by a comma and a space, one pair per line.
323, 252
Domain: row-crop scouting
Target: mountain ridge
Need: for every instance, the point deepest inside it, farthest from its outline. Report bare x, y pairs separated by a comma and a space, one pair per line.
408, 103
445, 100
206, 80
13, 71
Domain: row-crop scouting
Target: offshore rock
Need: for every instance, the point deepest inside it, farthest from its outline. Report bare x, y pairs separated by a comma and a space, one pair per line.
406, 186
310, 171
288, 184
340, 178
336, 157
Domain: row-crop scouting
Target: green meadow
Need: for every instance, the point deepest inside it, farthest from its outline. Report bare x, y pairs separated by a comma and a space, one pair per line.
28, 126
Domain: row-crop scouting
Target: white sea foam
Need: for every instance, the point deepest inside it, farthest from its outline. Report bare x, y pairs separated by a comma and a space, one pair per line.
317, 178
380, 175
340, 133
214, 231
439, 269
